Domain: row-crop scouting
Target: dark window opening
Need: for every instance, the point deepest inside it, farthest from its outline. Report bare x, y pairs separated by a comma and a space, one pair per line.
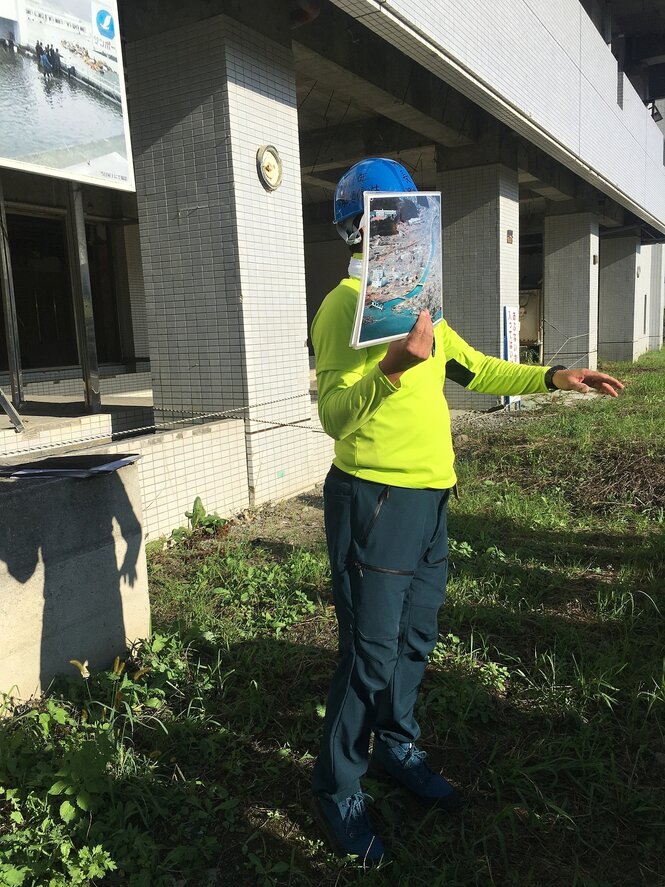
43, 293
104, 304
44, 309
619, 86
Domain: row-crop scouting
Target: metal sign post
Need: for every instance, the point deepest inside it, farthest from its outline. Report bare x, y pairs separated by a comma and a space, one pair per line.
82, 295
9, 309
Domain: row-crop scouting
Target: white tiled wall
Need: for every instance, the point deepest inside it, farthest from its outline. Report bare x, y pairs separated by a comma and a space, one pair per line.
545, 60
643, 300
480, 266
68, 383
283, 461
180, 128
177, 466
320, 449
39, 440
262, 110
209, 461
571, 290
223, 258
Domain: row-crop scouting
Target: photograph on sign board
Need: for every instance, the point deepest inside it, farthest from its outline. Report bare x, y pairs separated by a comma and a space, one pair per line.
402, 269
62, 93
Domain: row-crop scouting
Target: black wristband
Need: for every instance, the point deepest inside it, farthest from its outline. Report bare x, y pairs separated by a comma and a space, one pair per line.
549, 376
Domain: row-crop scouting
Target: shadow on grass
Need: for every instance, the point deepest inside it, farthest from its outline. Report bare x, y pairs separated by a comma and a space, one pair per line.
278, 550
552, 566
554, 797
561, 782
314, 500
617, 548
547, 789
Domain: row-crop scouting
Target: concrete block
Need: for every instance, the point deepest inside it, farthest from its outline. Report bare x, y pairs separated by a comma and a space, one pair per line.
73, 579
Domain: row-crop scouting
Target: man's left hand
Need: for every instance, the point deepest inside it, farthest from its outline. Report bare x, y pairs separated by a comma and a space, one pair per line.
584, 380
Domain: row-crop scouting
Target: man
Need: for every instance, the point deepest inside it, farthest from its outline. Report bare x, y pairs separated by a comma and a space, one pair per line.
385, 502
47, 68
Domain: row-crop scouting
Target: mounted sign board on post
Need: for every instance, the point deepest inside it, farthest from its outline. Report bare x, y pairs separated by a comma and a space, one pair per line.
62, 91
511, 343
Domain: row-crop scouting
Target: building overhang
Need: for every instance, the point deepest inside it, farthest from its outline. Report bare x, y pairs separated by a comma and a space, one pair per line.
386, 20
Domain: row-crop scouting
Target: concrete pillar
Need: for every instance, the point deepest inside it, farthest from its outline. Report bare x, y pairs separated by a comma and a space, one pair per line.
570, 288
657, 305
480, 208
618, 314
643, 299
223, 257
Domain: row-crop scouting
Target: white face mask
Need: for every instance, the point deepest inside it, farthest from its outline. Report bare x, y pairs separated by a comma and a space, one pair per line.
355, 268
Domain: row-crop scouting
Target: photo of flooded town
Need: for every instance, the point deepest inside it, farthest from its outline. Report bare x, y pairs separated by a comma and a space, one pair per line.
401, 264
61, 59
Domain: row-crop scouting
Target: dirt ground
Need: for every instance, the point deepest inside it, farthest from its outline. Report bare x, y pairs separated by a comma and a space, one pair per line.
297, 521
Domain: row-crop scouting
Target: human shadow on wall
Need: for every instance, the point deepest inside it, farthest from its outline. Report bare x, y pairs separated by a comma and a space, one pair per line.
58, 539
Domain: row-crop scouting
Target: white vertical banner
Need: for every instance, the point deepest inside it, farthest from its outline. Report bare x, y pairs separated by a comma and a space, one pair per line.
511, 342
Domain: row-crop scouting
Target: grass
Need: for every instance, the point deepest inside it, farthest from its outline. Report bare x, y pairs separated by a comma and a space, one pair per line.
189, 763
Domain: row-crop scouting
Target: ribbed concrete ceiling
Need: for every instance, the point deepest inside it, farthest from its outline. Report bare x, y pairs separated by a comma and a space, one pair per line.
336, 131
638, 38
634, 17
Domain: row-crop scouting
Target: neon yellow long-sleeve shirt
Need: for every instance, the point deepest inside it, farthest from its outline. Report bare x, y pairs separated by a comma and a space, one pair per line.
399, 435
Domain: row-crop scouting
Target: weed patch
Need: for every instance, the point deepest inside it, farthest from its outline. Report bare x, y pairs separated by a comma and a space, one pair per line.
189, 761
610, 475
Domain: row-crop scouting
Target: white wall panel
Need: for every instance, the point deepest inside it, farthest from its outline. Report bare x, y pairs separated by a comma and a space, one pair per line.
544, 69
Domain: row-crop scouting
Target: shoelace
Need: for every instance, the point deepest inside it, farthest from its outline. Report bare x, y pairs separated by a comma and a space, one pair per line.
414, 757
356, 815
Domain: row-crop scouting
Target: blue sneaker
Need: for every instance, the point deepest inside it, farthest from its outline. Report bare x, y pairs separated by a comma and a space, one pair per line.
405, 764
347, 827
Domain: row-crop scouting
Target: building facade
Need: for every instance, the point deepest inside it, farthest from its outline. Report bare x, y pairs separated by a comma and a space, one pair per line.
538, 122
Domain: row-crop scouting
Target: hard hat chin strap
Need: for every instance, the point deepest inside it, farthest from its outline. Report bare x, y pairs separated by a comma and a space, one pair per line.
350, 230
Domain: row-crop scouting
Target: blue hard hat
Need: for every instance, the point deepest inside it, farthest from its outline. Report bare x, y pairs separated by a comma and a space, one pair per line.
373, 174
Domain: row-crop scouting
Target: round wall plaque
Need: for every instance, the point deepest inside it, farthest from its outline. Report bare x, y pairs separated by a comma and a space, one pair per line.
269, 167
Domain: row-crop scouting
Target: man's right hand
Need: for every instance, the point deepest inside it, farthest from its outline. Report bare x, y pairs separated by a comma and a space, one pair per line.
402, 354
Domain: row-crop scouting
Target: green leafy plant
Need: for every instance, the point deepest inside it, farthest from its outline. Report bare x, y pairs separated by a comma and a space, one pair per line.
199, 519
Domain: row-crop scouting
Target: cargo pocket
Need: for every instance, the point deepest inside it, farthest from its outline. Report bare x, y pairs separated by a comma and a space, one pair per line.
378, 599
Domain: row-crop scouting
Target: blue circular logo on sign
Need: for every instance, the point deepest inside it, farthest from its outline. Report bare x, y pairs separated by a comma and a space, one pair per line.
105, 24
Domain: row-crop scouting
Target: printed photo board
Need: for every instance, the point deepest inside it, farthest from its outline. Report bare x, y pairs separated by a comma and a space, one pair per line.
62, 91
402, 265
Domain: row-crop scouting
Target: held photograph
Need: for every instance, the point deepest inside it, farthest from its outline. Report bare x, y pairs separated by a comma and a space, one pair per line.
402, 265
62, 91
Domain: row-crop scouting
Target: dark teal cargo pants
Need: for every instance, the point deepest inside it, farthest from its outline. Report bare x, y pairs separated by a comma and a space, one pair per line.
388, 550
